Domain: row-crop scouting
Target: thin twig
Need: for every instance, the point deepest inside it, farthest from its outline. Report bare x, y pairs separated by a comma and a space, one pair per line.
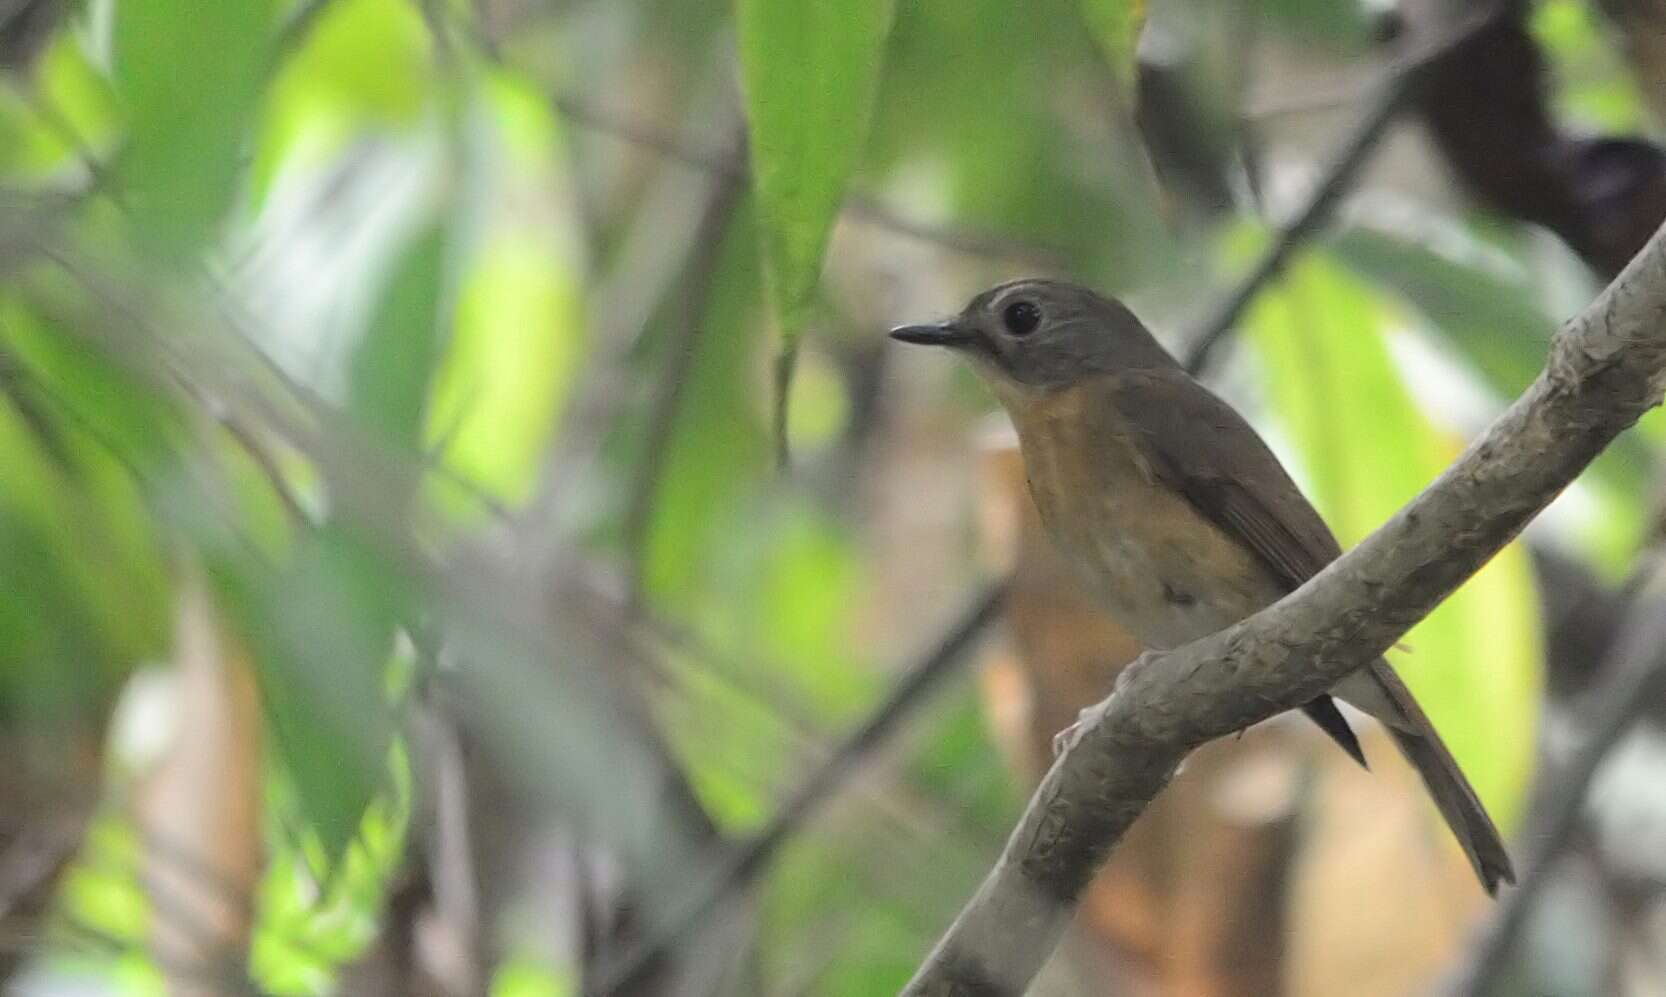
1392, 97
746, 862
1637, 680
267, 465
707, 252
860, 205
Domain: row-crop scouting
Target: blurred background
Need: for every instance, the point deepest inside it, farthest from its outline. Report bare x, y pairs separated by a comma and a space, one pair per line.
464, 530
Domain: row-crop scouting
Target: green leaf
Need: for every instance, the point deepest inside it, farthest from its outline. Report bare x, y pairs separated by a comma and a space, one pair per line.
324, 630
718, 450
189, 74
977, 138
389, 375
322, 635
1492, 315
1115, 27
518, 335
810, 70
81, 554
365, 68
1368, 449
65, 80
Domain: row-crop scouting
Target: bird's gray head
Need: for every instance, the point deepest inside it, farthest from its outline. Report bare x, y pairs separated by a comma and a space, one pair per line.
1043, 334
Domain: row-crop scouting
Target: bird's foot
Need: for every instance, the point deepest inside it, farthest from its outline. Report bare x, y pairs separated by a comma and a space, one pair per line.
1086, 720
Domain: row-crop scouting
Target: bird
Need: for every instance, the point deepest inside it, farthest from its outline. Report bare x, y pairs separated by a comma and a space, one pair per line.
1175, 513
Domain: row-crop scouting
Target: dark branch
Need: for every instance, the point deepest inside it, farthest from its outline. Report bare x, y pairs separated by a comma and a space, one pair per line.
1393, 97
859, 205
744, 865
1606, 368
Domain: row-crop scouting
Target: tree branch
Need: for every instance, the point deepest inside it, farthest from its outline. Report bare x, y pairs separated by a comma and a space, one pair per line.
743, 866
861, 205
1606, 367
1393, 96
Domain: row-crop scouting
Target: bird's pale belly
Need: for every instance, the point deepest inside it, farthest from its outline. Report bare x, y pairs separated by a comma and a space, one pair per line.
1156, 565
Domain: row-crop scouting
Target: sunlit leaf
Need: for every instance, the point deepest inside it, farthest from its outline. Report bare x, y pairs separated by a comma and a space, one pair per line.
303, 933
518, 332
79, 113
189, 76
1589, 82
364, 67
810, 71
524, 976
1367, 450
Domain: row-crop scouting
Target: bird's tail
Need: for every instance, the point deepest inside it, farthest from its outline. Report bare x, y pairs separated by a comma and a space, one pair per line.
1457, 802
1453, 795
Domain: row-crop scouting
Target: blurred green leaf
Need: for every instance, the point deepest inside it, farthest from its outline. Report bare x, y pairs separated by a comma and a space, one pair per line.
1589, 82
73, 89
1474, 663
325, 630
364, 68
980, 137
1494, 318
81, 555
810, 72
1115, 26
189, 76
519, 332
390, 372
322, 635
718, 451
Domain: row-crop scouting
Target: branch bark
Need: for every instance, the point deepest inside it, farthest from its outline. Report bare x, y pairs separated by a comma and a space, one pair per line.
1606, 367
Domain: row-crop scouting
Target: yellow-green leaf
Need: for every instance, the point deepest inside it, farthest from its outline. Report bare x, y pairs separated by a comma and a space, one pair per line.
518, 331
1115, 27
810, 69
1474, 664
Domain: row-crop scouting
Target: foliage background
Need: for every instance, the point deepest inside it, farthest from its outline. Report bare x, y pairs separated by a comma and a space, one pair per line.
423, 415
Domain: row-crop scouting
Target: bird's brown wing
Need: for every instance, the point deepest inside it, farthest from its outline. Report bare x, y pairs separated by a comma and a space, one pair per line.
1201, 447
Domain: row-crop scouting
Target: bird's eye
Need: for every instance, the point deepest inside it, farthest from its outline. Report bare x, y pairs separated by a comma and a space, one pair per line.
1021, 317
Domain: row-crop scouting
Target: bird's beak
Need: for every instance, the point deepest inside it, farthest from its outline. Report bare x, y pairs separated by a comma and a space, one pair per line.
939, 334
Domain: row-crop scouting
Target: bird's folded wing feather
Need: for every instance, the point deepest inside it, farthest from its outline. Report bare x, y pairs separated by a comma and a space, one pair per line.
1201, 447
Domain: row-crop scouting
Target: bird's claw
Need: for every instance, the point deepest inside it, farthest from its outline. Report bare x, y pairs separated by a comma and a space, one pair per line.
1066, 739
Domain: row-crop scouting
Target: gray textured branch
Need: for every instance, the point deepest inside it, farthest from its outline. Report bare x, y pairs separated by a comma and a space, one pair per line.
1605, 369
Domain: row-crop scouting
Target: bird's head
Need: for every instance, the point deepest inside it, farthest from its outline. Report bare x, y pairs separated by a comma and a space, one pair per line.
1043, 335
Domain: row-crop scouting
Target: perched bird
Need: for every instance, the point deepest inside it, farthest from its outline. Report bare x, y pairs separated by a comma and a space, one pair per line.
1174, 511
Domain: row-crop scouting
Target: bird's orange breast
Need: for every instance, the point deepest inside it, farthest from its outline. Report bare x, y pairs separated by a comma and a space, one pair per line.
1157, 564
